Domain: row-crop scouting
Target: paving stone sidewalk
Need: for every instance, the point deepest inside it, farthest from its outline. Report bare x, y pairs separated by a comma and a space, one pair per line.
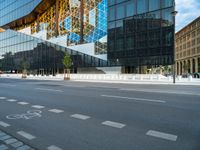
7, 142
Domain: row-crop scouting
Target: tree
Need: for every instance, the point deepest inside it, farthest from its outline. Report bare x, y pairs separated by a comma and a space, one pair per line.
67, 62
24, 66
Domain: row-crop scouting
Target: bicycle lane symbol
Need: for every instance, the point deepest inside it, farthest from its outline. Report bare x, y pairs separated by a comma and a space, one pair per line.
28, 115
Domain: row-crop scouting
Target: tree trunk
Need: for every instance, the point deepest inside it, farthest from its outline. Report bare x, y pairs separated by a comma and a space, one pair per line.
68, 74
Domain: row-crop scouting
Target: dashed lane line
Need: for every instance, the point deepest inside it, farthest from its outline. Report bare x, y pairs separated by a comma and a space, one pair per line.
56, 110
53, 147
2, 98
11, 85
3, 124
134, 98
162, 135
23, 103
38, 106
26, 135
114, 124
159, 91
79, 116
52, 90
11, 100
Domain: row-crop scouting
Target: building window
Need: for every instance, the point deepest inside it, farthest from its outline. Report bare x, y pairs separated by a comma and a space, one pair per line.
119, 44
167, 3
130, 8
193, 51
198, 41
198, 31
193, 42
154, 5
111, 14
167, 19
193, 34
142, 6
111, 2
120, 11
129, 42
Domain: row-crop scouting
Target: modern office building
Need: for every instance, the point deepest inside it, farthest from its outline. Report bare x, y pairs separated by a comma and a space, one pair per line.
140, 33
130, 34
188, 48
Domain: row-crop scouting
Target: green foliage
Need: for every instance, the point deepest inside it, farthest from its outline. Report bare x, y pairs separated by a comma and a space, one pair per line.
24, 64
67, 61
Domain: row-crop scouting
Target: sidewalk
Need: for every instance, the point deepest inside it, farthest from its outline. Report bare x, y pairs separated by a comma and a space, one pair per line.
112, 78
7, 142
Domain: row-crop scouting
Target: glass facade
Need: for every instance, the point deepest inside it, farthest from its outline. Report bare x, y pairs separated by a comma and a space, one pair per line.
11, 10
140, 32
51, 19
40, 55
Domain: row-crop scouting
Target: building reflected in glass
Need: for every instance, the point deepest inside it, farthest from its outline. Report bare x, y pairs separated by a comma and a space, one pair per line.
140, 33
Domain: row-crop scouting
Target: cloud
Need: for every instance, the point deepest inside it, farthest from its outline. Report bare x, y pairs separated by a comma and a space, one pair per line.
188, 10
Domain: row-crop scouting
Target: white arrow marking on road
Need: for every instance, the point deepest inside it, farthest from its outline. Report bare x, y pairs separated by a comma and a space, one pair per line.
162, 135
134, 98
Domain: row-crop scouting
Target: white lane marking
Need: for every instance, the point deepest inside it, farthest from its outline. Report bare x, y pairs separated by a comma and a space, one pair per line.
11, 100
162, 135
134, 98
79, 116
3, 124
28, 115
53, 147
78, 86
26, 135
13, 85
52, 90
56, 110
158, 91
2, 97
113, 124
37, 106
23, 103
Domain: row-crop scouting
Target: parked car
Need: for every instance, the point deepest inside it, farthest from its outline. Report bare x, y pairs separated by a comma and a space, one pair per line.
196, 75
186, 75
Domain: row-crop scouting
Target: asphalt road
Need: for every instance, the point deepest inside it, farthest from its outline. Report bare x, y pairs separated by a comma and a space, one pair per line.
70, 115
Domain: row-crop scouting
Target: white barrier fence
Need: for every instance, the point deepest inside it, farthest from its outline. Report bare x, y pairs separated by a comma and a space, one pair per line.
107, 77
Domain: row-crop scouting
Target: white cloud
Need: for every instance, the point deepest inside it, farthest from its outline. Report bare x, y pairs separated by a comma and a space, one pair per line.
188, 10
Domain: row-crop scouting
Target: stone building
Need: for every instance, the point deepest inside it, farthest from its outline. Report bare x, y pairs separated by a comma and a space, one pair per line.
188, 48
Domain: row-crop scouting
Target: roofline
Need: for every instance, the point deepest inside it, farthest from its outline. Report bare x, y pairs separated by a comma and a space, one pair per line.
39, 9
198, 18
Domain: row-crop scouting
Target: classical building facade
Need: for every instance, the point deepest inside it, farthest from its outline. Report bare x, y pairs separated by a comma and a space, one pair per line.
188, 48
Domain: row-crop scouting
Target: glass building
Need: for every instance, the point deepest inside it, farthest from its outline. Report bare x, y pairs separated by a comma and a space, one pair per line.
132, 34
140, 33
40, 32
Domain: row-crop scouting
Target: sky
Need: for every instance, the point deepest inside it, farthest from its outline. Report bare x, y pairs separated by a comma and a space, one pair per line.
188, 10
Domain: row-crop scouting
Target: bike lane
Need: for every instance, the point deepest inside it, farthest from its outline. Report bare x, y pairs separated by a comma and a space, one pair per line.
47, 129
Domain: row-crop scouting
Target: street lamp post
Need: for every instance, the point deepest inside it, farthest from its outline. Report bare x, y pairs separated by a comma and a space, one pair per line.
174, 12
